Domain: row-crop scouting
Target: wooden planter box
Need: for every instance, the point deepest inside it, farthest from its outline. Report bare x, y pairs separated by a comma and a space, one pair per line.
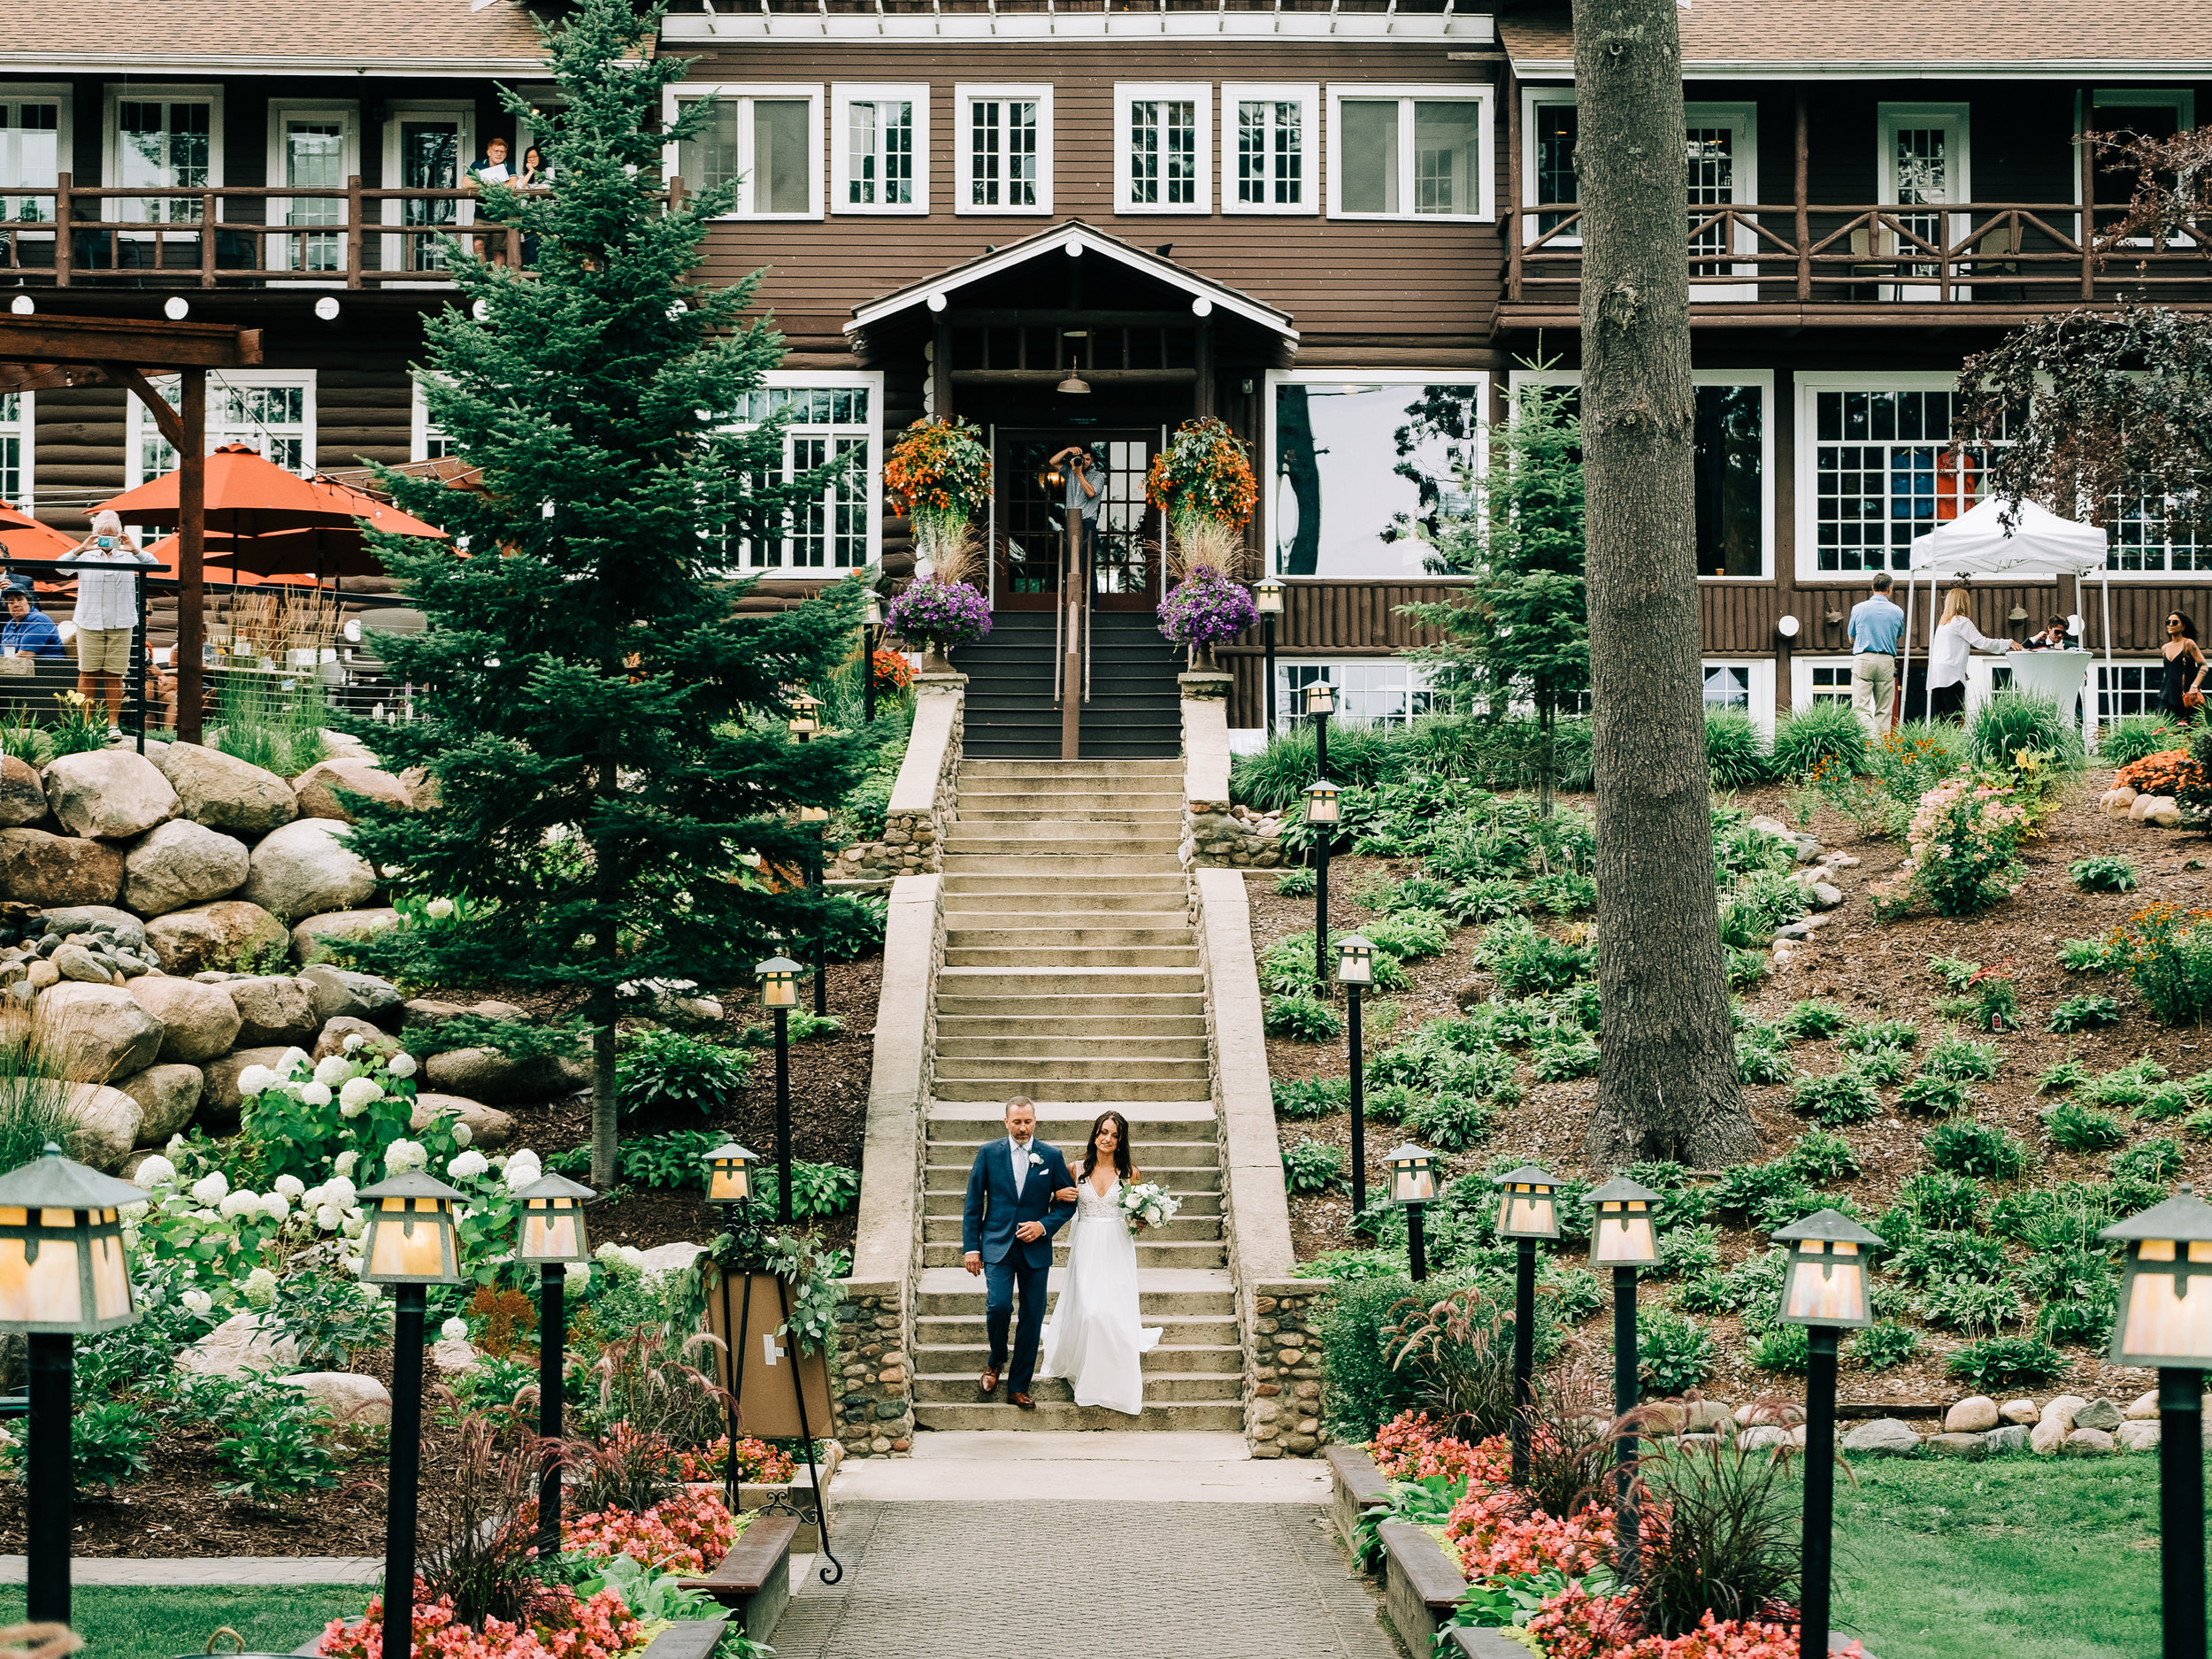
797, 1492
694, 1639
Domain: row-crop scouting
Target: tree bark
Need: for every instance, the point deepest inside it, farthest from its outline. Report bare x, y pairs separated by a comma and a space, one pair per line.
1668, 1085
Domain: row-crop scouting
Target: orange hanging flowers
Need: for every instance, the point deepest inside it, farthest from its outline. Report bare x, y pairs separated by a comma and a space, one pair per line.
1203, 473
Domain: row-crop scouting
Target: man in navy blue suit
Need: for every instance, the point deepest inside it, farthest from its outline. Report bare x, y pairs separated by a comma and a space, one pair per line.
1019, 1195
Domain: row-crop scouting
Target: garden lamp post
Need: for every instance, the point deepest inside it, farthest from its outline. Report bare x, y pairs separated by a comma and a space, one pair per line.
1621, 1239
1267, 595
818, 874
779, 978
1320, 704
1527, 1211
2166, 1322
1826, 1292
730, 1185
409, 1244
1355, 969
806, 717
871, 627
62, 1275
1322, 810
1413, 1184
552, 1236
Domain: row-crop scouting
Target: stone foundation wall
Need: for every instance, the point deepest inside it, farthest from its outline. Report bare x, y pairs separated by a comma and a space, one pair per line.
874, 1411
923, 800
1282, 1411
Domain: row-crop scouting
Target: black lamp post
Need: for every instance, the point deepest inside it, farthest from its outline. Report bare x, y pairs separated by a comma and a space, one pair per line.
1826, 1292
1320, 704
552, 1237
62, 1275
1413, 1184
410, 1244
871, 622
2166, 1323
779, 978
1621, 1239
1356, 969
817, 877
730, 1185
1527, 1211
1323, 810
1267, 595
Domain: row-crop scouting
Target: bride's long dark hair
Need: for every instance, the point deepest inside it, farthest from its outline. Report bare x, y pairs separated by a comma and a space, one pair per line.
1123, 1167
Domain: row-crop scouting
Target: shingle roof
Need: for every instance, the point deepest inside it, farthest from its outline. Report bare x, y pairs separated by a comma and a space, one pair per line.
244, 36
2173, 39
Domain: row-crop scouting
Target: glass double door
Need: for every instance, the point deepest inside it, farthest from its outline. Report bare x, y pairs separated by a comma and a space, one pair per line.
1122, 567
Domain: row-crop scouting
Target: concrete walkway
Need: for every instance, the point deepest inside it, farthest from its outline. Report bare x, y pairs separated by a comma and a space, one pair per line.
994, 1466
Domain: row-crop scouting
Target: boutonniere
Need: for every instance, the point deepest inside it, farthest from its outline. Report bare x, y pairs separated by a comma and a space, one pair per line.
1036, 1162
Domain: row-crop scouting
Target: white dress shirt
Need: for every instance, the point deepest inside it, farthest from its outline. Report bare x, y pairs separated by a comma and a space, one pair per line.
1021, 1162
109, 599
1947, 652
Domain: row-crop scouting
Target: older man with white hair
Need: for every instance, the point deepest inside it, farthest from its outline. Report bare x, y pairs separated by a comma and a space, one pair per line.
107, 613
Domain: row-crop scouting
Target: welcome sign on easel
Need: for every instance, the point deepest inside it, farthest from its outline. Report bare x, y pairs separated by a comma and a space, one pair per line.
772, 1378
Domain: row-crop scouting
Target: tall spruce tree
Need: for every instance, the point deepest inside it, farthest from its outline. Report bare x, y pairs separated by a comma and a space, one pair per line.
606, 733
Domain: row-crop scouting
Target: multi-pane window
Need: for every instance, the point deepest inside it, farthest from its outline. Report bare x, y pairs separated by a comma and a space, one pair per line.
313, 156
879, 152
2125, 688
15, 449
1389, 691
829, 530
764, 144
30, 157
1721, 165
2148, 534
1271, 152
1923, 163
1557, 180
428, 440
1004, 150
429, 159
1423, 153
1711, 157
1884, 474
1829, 682
270, 417
164, 143
1164, 148
1728, 687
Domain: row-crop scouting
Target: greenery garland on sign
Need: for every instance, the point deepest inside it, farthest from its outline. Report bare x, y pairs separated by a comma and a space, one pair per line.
817, 1292
1202, 473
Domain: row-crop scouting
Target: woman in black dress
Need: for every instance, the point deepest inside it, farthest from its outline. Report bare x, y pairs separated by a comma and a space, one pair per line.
2183, 676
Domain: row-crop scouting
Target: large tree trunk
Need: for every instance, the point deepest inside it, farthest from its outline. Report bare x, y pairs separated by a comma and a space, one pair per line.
1668, 1087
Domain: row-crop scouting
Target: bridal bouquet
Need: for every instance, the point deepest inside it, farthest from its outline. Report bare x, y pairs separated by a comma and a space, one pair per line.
1148, 1205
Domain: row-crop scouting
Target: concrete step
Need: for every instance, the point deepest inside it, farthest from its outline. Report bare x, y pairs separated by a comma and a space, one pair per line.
1099, 1092
1187, 1120
1072, 956
970, 1350
1061, 770
1185, 1229
1073, 910
1015, 821
1159, 1028
1040, 1041
1225, 1417
1070, 1068
975, 995
1179, 1291
1092, 841
945, 1186
997, 934
1167, 1162
1133, 834
1197, 1332
1196, 1254
1083, 862
1067, 800
1168, 891
1161, 1388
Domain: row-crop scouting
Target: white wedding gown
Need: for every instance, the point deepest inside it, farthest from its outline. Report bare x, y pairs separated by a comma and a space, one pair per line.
1092, 1338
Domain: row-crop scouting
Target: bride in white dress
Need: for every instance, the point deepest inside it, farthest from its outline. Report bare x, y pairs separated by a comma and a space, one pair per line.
1093, 1340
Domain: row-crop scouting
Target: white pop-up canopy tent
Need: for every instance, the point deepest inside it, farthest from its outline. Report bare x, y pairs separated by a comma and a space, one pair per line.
2039, 545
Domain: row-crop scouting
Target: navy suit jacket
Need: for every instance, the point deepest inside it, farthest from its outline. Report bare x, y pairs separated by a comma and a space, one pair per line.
993, 1210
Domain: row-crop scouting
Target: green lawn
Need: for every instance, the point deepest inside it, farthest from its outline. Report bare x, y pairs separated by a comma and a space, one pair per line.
2056, 1558
158, 1624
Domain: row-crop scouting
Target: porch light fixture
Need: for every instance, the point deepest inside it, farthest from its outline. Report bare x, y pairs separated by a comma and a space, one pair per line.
410, 1239
806, 715
1827, 1282
1622, 1234
553, 1222
22, 305
1412, 1185
1074, 386
1526, 1208
1527, 1211
1786, 626
1267, 595
1202, 306
779, 978
2018, 613
1354, 961
326, 308
730, 1174
936, 302
176, 308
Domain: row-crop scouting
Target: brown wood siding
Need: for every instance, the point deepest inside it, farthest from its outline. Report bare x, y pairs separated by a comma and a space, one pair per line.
1331, 275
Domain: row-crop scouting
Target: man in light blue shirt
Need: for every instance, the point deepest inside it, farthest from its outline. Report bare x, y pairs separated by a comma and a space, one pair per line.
1876, 622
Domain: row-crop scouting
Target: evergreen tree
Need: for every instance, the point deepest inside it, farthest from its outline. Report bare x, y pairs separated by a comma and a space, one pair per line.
606, 733
1520, 630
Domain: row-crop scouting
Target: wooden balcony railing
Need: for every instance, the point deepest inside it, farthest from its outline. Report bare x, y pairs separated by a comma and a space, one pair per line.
245, 235
2007, 253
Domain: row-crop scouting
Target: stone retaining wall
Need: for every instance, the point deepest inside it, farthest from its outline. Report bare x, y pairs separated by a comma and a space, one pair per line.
924, 799
1214, 832
874, 1410
1283, 1416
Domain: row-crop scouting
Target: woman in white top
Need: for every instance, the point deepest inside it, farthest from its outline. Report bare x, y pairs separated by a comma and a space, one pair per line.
1955, 637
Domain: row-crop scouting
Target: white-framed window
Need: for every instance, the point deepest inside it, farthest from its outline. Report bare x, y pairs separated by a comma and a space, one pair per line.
1410, 152
272, 412
1746, 684
1380, 690
16, 430
426, 439
1924, 157
1549, 176
428, 145
1001, 138
314, 144
765, 138
2149, 534
1271, 148
34, 140
164, 137
1732, 462
2127, 687
827, 418
879, 149
1816, 680
1873, 468
2152, 111
1721, 143
1361, 463
1163, 146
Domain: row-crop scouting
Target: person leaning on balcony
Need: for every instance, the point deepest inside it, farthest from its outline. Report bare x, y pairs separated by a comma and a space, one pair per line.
1956, 638
491, 168
107, 612
1876, 622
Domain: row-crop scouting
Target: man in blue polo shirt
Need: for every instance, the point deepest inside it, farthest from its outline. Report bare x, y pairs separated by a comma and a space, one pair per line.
28, 631
1876, 622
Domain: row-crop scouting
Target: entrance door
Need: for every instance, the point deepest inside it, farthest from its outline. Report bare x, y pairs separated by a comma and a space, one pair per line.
1125, 572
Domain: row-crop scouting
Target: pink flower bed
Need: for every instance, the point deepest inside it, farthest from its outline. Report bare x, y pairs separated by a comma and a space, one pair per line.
562, 1626
756, 1460
1573, 1626
1410, 1447
685, 1534
1497, 1531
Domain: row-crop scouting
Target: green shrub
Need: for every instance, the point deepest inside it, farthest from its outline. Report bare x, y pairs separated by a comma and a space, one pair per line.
108, 1442
1388, 1104
1296, 884
2199, 1123
1821, 1156
1562, 1060
1970, 1306
2061, 1075
1535, 961
2102, 875
1758, 905
1954, 971
2168, 954
2005, 1362
1940, 1095
1574, 1293
1673, 1352
1936, 1257
1363, 1392
1824, 731
1784, 1349
665, 1068
1962, 1061
2076, 1128
1882, 1067
1984, 1150
1735, 754
1836, 1098
1287, 966
1563, 893
1883, 1346
1746, 968
2130, 1085
1303, 1020
817, 1189
1410, 935
1756, 1064
2012, 720
1879, 1034
2085, 1013
1310, 1096
1451, 1123
1743, 1187
1945, 1199
1491, 899
1685, 1251
1311, 1166
2165, 1101
2156, 1159
2086, 1323
1810, 1021
2137, 735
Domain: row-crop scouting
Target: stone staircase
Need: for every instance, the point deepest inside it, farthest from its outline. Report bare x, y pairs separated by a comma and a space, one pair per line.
1071, 976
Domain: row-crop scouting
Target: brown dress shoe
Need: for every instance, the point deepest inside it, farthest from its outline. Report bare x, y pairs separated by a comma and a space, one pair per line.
1023, 1402
987, 1384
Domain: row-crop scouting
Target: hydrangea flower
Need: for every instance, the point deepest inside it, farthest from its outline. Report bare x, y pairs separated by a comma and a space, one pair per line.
403, 1156
290, 1186
331, 1069
351, 1263
256, 1079
357, 1096
315, 1095
198, 1302
466, 1166
400, 1065
462, 1134
276, 1206
455, 1330
292, 1060
211, 1188
327, 1217
438, 909
345, 1162
339, 1189
153, 1172
243, 1202
579, 1273
260, 1287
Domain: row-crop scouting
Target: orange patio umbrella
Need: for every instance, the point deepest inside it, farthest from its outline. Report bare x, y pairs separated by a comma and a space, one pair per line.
25, 537
246, 497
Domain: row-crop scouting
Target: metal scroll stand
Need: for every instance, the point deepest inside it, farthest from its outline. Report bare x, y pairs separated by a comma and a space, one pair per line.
138, 629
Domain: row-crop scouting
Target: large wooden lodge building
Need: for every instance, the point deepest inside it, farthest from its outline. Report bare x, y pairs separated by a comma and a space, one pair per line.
1346, 226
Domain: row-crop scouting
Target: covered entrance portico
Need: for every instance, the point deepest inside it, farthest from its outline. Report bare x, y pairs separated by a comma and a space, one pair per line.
1071, 336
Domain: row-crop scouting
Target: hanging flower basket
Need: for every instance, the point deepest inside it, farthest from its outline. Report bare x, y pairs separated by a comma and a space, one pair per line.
1204, 611
940, 615
941, 471
1202, 473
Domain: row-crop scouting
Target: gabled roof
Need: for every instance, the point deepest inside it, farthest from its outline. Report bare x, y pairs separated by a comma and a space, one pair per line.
181, 37
1871, 38
1072, 238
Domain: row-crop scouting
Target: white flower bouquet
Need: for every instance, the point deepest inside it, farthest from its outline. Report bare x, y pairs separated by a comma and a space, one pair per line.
1148, 1205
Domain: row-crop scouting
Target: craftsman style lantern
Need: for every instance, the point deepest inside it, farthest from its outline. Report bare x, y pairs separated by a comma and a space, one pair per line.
410, 1239
1622, 1236
1354, 961
806, 715
1322, 802
871, 608
1621, 1239
1527, 1211
552, 1221
730, 1174
1320, 698
1267, 597
1526, 1208
552, 1237
1412, 1176
779, 978
2165, 1321
62, 1269
1826, 1284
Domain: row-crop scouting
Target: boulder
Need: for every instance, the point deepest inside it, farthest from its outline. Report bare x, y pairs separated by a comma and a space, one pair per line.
120, 926
110, 793
1825, 895
2099, 1414
1705, 1414
674, 1258
2061, 1410
2011, 1437
226, 793
2143, 1407
306, 869
339, 993
22, 799
1971, 1416
167, 1096
1959, 1445
104, 1125
92, 1033
2089, 1443
422, 1011
320, 787
488, 1074
273, 1009
454, 1353
2164, 811
245, 1341
220, 1100
489, 1128
75, 961
198, 1021
1763, 1438
334, 1033
2136, 1436
217, 936
2021, 1411
352, 1400
2139, 808
2117, 802
311, 939
1774, 1412
345, 746
181, 863
49, 870
1883, 1436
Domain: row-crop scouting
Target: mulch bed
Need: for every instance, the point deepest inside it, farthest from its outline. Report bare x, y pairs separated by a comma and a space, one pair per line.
1870, 971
